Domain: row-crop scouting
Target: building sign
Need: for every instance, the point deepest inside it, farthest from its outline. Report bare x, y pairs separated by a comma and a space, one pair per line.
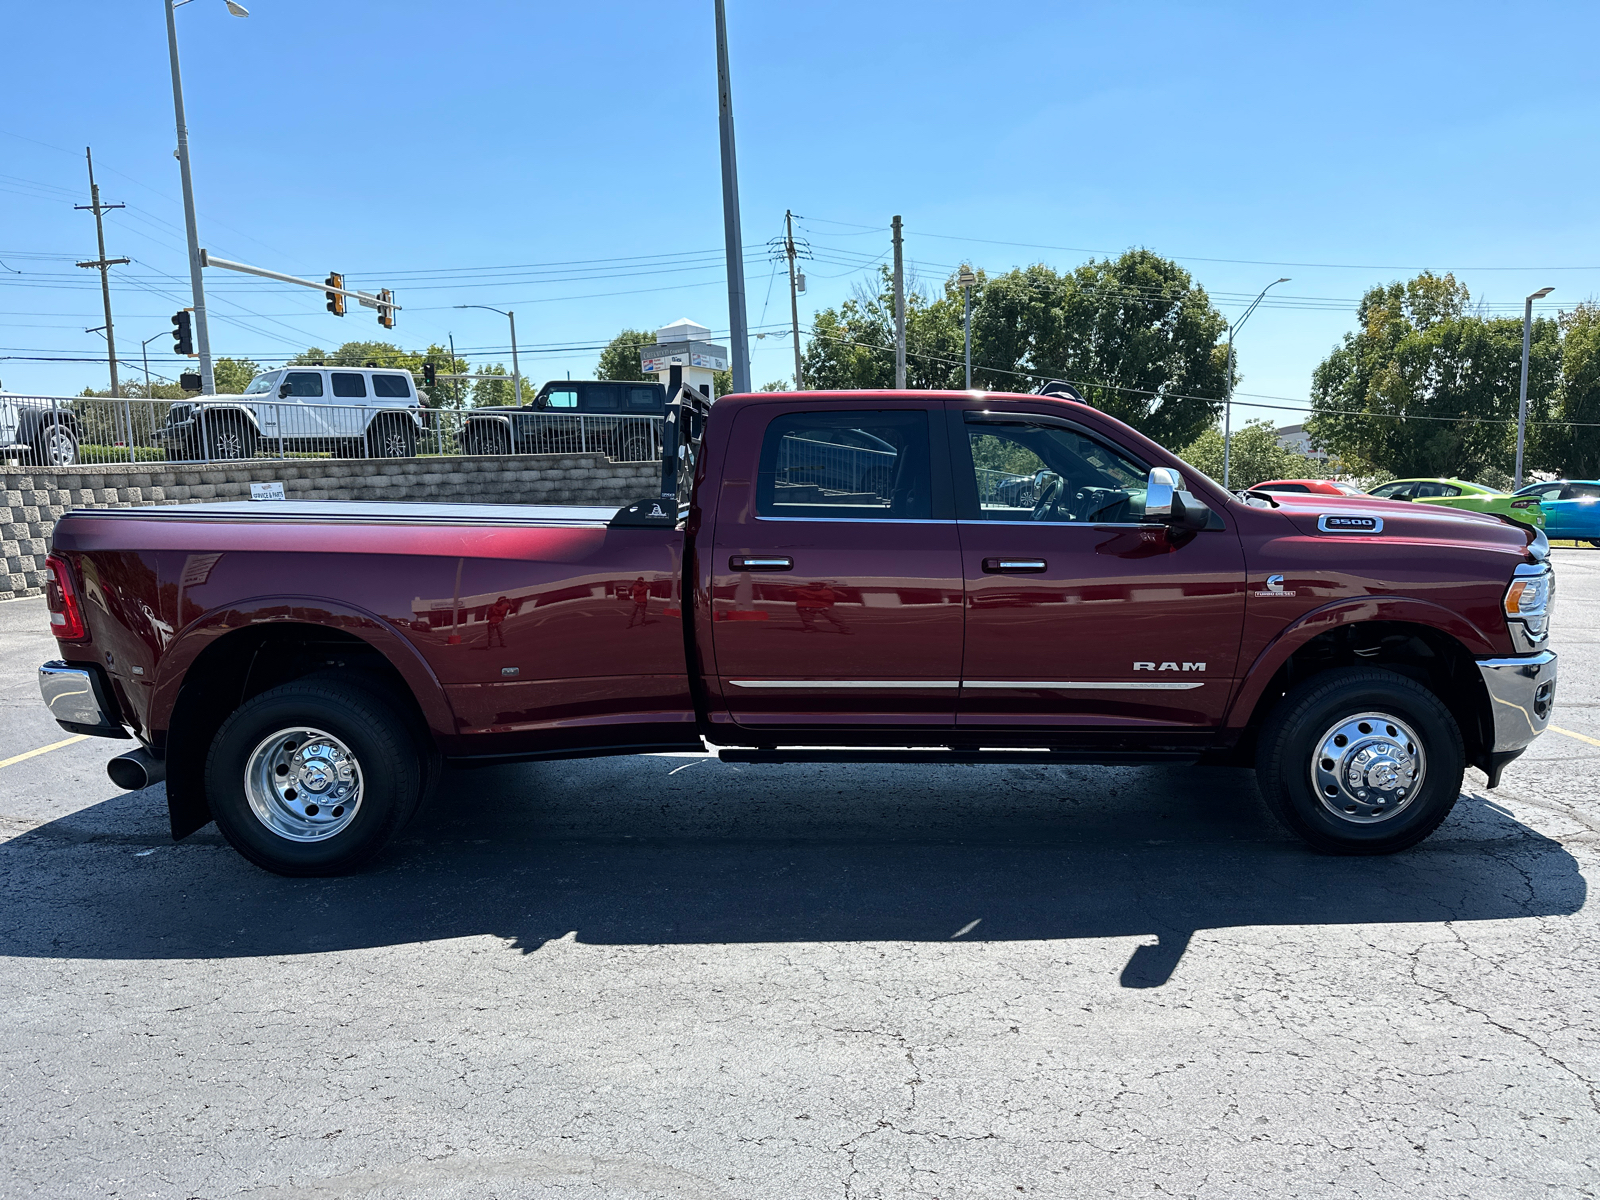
653, 359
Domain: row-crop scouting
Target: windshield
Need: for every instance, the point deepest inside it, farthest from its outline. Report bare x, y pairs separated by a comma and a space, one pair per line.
263, 383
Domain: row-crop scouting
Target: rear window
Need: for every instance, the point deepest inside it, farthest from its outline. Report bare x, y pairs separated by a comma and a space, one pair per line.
1283, 487
643, 399
1583, 491
600, 397
1441, 490
349, 384
861, 465
392, 387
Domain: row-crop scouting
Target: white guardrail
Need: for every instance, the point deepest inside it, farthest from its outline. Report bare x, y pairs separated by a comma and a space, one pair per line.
62, 431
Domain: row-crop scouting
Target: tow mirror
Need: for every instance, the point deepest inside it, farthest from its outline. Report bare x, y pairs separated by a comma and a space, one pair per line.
1159, 489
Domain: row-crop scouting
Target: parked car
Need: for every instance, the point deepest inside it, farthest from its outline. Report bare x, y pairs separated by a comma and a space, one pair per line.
38, 430
1458, 493
330, 657
617, 418
352, 412
1322, 487
1571, 508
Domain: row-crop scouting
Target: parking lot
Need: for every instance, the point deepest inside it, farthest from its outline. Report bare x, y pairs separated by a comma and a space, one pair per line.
672, 977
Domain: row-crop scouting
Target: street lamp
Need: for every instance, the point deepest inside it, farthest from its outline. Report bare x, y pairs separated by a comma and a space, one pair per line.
966, 281
1522, 409
516, 371
202, 332
1227, 383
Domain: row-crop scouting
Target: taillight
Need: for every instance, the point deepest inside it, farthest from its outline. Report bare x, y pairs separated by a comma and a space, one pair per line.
61, 597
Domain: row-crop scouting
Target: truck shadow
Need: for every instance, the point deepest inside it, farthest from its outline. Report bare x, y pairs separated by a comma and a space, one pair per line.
624, 853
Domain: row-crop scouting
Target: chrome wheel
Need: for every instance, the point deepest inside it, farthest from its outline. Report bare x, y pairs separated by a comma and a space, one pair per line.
303, 784
227, 443
1368, 767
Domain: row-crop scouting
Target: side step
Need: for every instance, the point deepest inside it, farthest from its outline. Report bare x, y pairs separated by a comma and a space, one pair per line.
1095, 758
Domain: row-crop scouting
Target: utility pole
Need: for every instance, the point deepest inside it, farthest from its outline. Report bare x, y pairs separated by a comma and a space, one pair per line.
899, 308
103, 263
453, 369
202, 331
738, 320
794, 299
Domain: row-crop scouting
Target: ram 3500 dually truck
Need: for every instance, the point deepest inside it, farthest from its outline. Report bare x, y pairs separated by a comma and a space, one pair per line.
826, 577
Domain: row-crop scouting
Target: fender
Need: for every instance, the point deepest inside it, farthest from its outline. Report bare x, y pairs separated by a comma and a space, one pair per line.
1348, 611
207, 412
498, 418
256, 611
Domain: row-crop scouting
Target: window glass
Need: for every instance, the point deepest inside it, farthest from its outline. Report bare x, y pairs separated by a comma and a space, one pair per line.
600, 397
304, 383
1049, 473
1424, 490
1283, 487
393, 387
348, 383
1391, 491
1581, 491
263, 383
562, 399
644, 398
865, 465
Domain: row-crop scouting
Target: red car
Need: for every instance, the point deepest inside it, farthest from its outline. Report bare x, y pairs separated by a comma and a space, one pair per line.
1321, 487
834, 577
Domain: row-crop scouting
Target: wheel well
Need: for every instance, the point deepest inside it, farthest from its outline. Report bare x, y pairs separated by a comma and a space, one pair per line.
247, 662
1432, 658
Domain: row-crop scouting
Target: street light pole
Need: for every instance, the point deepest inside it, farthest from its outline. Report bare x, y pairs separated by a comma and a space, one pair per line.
1522, 407
966, 280
1227, 384
516, 369
738, 320
144, 349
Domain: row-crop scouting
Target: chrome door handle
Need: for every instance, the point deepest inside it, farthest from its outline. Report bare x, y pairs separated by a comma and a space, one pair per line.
760, 562
1014, 566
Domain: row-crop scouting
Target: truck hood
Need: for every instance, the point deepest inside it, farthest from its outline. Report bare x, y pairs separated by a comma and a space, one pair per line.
1367, 516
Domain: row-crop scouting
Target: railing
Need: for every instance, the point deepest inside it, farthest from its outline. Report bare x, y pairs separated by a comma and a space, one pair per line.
831, 467
1004, 488
62, 430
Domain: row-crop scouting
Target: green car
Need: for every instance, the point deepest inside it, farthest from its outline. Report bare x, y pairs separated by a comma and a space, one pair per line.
1458, 493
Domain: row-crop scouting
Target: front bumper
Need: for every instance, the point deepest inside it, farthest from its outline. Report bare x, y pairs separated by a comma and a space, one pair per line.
79, 700
1522, 694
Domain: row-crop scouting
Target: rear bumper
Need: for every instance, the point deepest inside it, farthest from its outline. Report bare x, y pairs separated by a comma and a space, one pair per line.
1522, 695
79, 700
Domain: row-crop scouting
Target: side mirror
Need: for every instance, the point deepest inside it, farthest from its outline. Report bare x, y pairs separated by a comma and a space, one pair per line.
1159, 490
283, 391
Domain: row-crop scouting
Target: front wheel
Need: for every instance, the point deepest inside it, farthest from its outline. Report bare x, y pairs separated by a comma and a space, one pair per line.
56, 446
313, 777
1361, 761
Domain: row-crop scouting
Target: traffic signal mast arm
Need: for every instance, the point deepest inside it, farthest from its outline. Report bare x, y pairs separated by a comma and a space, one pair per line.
382, 301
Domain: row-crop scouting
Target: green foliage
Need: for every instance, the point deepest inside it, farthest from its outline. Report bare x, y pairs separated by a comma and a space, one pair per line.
620, 358
1254, 457
1573, 449
775, 385
853, 346
91, 453
1425, 388
498, 393
233, 375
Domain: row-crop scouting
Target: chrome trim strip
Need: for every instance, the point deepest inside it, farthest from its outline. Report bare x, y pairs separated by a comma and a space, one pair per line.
859, 520
1068, 685
846, 683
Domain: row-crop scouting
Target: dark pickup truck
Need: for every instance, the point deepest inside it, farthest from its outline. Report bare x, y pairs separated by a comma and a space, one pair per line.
826, 577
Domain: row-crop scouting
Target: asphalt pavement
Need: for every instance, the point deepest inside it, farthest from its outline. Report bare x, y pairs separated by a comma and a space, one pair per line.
672, 977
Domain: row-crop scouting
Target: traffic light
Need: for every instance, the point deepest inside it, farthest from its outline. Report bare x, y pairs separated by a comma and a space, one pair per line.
430, 374
183, 333
335, 299
385, 312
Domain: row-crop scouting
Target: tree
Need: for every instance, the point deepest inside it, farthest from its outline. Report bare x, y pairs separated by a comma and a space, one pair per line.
1254, 456
1423, 387
620, 358
233, 375
496, 393
852, 346
1570, 443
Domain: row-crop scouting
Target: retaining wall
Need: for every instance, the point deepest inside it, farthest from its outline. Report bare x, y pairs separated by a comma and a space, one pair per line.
31, 501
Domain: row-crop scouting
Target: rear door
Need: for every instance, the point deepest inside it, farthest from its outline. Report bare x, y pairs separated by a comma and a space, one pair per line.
836, 573
1077, 612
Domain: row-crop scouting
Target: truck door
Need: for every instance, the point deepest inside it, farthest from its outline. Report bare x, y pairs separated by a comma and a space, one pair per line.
836, 574
1077, 613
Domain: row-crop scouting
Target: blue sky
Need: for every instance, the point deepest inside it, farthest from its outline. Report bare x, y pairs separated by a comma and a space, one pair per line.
561, 160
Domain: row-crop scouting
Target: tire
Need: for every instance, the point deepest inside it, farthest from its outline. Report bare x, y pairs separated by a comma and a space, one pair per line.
228, 439
390, 438
55, 445
261, 753
490, 439
636, 449
1393, 780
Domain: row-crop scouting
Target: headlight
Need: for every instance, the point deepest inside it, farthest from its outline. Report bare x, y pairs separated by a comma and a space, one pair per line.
1527, 603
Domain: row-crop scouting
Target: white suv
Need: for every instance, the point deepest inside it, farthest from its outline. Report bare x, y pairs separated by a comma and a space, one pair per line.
355, 412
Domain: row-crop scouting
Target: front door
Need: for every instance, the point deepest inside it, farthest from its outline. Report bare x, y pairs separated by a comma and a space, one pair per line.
836, 574
1079, 613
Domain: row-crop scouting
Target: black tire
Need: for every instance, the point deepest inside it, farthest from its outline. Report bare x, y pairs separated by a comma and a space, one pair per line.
391, 438
393, 776
229, 439
55, 445
487, 439
1346, 822
636, 448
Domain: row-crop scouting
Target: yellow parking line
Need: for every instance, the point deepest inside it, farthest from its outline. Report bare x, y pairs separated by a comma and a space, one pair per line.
82, 737
1553, 729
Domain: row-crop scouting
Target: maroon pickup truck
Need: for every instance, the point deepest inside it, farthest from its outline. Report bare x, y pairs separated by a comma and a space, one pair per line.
826, 577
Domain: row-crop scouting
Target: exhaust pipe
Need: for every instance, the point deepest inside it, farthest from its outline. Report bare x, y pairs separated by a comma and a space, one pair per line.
136, 769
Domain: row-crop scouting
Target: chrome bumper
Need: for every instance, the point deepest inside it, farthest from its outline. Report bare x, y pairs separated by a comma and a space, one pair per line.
78, 700
1522, 693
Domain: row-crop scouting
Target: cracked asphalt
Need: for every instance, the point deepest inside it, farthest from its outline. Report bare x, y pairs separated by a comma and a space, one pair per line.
670, 977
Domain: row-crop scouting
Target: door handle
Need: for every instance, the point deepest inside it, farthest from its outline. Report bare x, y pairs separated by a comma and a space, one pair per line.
1014, 566
760, 562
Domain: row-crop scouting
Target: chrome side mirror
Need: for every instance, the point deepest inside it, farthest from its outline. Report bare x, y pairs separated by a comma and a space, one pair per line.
1162, 484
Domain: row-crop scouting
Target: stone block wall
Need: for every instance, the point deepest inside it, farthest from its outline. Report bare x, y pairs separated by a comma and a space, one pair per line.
31, 501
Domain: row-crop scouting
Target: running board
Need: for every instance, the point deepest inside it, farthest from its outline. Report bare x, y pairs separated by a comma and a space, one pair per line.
1095, 758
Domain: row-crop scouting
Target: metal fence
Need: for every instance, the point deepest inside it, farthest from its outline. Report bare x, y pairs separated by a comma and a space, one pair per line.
60, 431
833, 467
1005, 489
